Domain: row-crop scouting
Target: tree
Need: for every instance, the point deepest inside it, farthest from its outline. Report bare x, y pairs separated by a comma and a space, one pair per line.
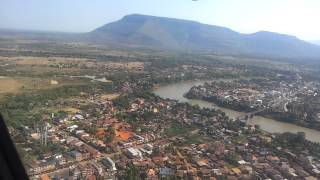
110, 135
122, 101
132, 173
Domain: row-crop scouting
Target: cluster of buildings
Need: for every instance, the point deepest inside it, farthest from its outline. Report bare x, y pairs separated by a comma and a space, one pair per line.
254, 94
163, 139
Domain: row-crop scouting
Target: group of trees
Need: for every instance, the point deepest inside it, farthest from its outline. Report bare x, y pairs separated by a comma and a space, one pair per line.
110, 135
132, 173
303, 114
296, 143
235, 105
122, 102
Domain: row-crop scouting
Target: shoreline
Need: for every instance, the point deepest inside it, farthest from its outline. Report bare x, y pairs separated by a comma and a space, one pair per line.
176, 91
268, 115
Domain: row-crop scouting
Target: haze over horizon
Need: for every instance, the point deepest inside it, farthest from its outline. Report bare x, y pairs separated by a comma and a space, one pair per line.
293, 17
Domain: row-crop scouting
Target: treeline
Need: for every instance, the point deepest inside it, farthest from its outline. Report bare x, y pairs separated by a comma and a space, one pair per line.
234, 105
290, 117
296, 143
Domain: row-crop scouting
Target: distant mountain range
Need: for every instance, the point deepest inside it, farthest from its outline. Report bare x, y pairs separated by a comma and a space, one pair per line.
159, 33
176, 34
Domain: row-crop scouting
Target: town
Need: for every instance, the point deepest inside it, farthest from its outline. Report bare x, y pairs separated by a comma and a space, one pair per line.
264, 96
97, 116
134, 133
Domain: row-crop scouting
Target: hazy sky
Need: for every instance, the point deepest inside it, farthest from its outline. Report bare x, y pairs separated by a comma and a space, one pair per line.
296, 17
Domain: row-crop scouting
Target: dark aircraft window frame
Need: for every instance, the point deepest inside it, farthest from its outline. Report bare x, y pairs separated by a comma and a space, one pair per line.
11, 166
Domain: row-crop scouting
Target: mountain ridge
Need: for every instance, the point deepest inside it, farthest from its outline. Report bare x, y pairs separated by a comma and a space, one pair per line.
179, 34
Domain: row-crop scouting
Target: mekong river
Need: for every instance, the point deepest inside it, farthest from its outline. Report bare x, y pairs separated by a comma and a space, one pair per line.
177, 90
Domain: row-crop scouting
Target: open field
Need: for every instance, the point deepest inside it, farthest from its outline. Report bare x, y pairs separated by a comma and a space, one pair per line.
9, 85
70, 110
47, 66
21, 84
109, 97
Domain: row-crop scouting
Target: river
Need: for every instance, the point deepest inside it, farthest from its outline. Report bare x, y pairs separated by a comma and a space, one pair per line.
177, 90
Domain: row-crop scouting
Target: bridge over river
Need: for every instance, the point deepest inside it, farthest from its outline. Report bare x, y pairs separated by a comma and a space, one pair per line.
244, 117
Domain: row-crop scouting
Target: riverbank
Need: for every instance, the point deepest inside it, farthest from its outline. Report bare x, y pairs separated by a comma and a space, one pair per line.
231, 105
247, 97
287, 118
176, 91
278, 116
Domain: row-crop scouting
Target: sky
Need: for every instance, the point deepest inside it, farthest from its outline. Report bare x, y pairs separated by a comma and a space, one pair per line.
294, 17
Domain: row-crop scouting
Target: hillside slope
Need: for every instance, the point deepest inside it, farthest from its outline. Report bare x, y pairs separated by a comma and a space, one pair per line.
176, 34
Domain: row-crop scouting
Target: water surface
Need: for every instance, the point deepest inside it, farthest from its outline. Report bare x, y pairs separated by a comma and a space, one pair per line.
177, 90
